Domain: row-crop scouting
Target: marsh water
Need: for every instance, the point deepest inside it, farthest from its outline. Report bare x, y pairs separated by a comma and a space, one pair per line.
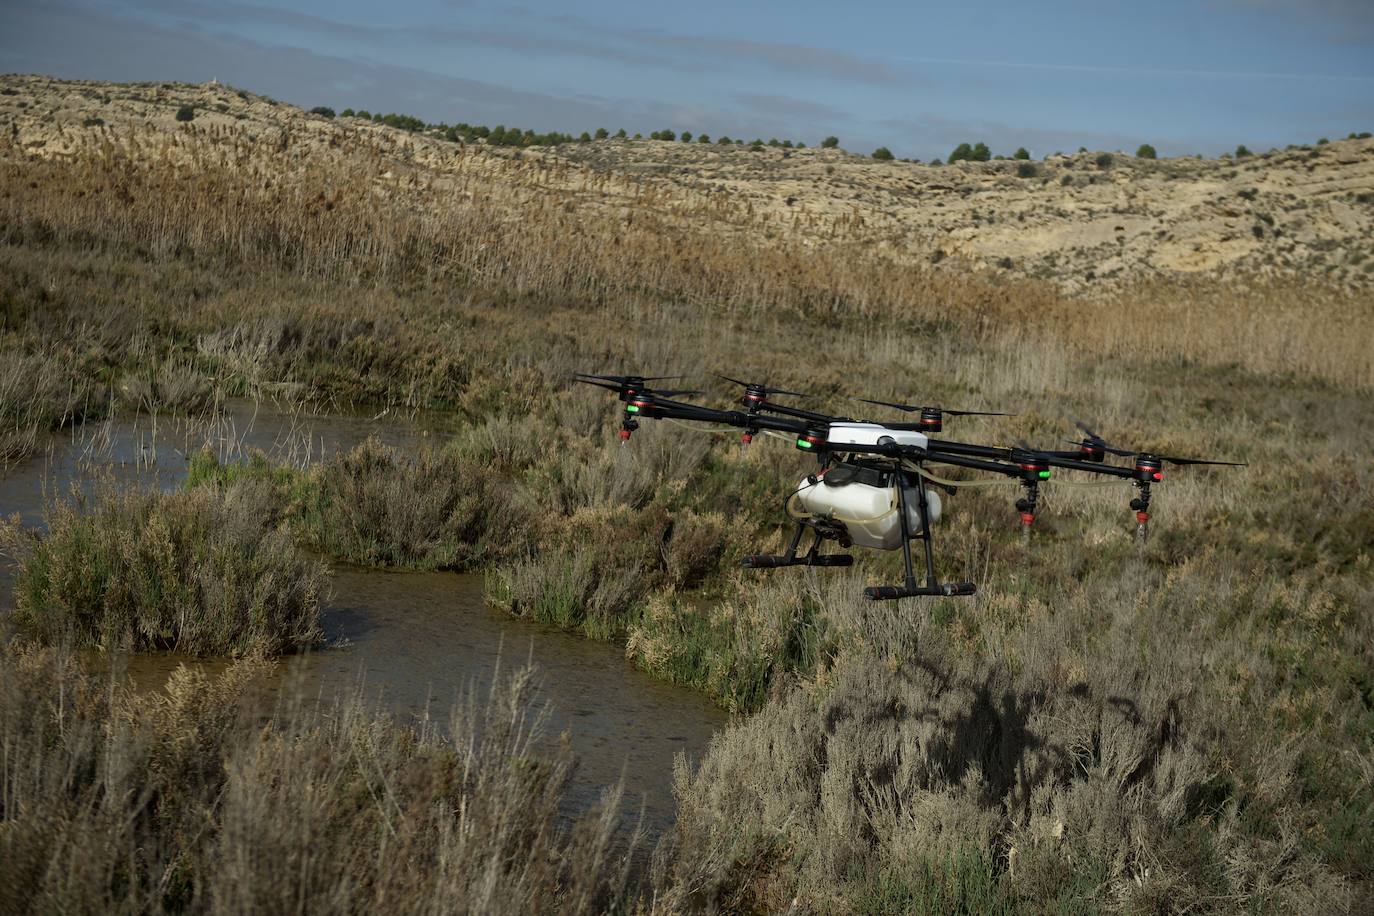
412, 641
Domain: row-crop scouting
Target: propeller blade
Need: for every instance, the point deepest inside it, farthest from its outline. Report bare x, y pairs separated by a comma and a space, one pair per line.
912, 408
671, 392
1184, 461
597, 382
906, 408
624, 379
766, 389
974, 413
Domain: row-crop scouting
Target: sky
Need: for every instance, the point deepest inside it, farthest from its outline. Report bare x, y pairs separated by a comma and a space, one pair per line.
1187, 76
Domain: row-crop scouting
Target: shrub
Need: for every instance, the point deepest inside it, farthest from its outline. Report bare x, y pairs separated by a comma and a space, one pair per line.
620, 134
1323, 141
367, 115
962, 153
1242, 151
830, 142
882, 154
981, 153
346, 113
208, 571
323, 111
1021, 153
1026, 170
724, 141
667, 135
686, 136
186, 113
703, 138
1146, 151
584, 137
936, 161
436, 510
1104, 160
602, 133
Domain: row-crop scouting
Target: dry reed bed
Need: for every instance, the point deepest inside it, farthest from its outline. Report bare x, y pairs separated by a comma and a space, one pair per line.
329, 216
112, 801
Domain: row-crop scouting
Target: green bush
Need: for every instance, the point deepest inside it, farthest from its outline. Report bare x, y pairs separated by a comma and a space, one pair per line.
686, 136
882, 154
981, 153
1026, 170
323, 110
602, 133
1242, 151
1146, 151
830, 143
1021, 153
186, 113
1105, 160
703, 138
208, 571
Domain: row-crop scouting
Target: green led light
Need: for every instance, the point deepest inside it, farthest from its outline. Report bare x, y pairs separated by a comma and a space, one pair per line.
802, 443
630, 408
1044, 475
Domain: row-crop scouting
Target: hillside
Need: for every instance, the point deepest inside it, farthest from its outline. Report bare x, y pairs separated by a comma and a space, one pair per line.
1306, 213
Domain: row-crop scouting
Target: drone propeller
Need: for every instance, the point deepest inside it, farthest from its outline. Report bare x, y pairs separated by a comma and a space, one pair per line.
1092, 442
932, 418
755, 388
912, 408
627, 385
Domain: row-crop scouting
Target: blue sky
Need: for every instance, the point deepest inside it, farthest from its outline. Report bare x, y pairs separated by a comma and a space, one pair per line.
1188, 77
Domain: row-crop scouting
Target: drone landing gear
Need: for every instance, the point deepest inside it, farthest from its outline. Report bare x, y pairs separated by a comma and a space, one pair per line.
911, 589
811, 557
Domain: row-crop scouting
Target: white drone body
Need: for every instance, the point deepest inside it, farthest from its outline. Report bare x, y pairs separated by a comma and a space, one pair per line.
867, 507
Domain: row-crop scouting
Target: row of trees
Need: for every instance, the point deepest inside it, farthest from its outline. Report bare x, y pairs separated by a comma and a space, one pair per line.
500, 135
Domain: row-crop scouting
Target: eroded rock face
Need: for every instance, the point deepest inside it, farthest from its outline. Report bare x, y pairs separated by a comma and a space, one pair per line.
1085, 224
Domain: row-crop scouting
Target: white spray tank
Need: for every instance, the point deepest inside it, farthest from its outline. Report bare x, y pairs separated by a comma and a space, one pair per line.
864, 500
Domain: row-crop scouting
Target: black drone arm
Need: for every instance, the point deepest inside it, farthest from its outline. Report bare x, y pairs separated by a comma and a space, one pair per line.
797, 413
945, 451
662, 408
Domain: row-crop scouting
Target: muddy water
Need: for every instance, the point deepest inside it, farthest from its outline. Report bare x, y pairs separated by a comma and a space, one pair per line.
414, 641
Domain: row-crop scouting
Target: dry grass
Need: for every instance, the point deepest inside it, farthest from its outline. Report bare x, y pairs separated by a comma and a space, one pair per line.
327, 213
112, 801
1184, 728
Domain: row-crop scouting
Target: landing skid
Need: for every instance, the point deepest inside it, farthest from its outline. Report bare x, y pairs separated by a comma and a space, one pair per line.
810, 558
933, 587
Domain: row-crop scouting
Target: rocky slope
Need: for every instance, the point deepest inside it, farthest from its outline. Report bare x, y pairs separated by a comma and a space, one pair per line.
1084, 221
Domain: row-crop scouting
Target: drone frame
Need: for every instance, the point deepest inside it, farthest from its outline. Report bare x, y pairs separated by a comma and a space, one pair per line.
904, 461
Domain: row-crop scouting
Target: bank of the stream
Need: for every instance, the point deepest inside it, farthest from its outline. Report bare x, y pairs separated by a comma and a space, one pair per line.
412, 641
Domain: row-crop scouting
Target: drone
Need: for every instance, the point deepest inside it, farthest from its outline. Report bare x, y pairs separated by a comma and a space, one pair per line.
875, 487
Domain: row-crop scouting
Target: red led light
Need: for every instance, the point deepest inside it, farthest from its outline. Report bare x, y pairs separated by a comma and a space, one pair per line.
624, 434
747, 438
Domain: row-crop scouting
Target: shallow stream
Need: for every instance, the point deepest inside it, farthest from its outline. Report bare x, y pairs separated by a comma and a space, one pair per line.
413, 641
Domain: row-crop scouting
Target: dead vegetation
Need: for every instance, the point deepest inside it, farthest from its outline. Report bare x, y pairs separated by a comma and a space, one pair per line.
1183, 728
115, 801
